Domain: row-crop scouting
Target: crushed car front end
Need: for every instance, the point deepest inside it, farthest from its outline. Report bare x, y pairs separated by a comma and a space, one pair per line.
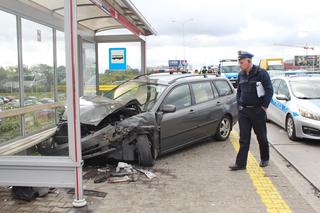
111, 125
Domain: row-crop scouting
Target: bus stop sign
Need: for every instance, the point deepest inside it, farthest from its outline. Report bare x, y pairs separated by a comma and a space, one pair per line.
117, 59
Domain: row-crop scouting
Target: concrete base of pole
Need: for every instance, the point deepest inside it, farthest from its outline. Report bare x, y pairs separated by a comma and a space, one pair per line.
79, 203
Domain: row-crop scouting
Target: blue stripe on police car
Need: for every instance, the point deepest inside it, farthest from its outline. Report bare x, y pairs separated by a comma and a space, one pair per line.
282, 107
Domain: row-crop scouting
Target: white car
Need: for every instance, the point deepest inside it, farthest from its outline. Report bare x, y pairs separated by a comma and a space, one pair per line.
295, 105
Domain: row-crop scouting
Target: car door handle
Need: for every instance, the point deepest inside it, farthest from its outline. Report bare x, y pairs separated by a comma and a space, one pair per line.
218, 103
191, 111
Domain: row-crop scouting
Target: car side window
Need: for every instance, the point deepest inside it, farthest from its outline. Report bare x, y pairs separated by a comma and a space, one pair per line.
223, 87
180, 97
275, 85
283, 89
202, 91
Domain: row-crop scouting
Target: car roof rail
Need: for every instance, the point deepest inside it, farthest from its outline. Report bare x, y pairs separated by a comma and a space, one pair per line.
154, 72
184, 76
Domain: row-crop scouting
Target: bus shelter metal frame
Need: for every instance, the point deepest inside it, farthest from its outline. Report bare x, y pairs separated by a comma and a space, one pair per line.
61, 171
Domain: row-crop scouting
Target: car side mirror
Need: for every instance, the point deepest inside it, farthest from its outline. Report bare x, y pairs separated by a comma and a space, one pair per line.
282, 97
168, 108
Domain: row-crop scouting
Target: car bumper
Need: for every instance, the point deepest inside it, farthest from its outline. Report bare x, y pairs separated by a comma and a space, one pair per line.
307, 128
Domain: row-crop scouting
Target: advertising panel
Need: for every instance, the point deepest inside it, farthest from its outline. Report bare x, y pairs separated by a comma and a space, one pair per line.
177, 63
307, 60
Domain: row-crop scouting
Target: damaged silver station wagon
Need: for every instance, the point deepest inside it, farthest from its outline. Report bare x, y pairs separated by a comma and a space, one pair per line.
150, 115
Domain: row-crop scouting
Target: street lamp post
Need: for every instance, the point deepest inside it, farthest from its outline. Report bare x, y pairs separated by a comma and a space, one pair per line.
183, 37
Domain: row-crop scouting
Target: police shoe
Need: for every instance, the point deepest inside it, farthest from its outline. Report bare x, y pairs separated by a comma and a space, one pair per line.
236, 167
264, 163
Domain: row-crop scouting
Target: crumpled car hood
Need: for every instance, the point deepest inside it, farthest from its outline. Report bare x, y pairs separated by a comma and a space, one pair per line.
140, 122
93, 109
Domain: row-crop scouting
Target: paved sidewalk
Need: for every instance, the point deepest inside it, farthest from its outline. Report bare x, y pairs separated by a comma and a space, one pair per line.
195, 179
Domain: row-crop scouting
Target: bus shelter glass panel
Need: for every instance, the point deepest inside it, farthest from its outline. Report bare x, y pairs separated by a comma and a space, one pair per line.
61, 73
109, 78
89, 68
38, 75
9, 129
39, 120
9, 77
61, 66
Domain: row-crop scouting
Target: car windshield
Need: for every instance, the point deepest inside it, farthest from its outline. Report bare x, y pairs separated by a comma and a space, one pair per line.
146, 93
230, 69
306, 89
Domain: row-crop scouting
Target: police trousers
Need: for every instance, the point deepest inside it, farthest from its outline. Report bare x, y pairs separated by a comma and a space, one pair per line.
252, 118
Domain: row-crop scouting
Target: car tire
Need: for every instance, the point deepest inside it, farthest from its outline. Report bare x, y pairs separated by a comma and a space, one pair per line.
291, 129
224, 129
143, 150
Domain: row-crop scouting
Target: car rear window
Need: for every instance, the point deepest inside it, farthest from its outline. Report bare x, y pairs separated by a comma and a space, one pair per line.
223, 87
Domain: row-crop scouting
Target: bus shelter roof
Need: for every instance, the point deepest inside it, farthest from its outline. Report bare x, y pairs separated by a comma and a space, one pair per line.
102, 15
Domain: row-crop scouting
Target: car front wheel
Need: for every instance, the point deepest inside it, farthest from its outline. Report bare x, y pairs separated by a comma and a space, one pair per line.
291, 129
224, 128
143, 150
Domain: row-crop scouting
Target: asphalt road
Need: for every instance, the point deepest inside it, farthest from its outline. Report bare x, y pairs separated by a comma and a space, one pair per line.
302, 155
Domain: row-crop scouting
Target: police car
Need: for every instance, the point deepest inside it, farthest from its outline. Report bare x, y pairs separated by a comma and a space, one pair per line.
295, 105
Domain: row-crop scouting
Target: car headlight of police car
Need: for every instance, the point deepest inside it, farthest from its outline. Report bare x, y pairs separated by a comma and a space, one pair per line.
309, 114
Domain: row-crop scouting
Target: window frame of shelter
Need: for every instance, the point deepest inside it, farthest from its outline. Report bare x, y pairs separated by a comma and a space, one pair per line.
10, 127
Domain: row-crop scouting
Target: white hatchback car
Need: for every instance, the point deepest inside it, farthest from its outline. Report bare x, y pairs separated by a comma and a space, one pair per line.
295, 105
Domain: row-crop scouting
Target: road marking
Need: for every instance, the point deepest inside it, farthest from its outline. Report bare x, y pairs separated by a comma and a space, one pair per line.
268, 193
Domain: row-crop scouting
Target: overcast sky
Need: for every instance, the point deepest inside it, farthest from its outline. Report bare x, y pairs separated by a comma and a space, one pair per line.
206, 31
202, 31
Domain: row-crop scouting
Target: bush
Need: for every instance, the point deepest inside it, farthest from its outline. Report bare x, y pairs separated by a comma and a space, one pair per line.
8, 125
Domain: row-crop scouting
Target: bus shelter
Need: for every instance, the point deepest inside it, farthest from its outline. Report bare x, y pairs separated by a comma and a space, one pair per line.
48, 51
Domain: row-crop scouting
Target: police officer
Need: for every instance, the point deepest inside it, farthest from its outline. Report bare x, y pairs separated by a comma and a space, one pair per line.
204, 70
252, 104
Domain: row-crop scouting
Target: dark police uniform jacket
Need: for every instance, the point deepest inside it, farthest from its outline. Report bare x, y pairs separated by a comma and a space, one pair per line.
247, 88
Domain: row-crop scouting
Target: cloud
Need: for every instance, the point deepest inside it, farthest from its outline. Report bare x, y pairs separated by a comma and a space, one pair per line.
219, 28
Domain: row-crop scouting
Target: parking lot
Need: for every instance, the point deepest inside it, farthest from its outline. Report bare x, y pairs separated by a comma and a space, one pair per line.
195, 179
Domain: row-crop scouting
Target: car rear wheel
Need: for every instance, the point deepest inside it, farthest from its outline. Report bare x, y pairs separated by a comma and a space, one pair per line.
143, 150
224, 128
291, 129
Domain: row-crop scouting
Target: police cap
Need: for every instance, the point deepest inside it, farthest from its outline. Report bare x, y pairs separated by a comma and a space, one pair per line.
244, 54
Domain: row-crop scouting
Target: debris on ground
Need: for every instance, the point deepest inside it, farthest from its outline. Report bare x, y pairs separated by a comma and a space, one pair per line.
126, 178
147, 173
123, 172
101, 178
90, 193
124, 168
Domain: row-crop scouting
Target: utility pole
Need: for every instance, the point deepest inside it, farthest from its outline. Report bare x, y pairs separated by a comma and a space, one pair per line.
183, 37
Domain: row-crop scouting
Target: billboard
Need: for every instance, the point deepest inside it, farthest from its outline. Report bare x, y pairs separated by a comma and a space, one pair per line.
117, 59
307, 60
177, 63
